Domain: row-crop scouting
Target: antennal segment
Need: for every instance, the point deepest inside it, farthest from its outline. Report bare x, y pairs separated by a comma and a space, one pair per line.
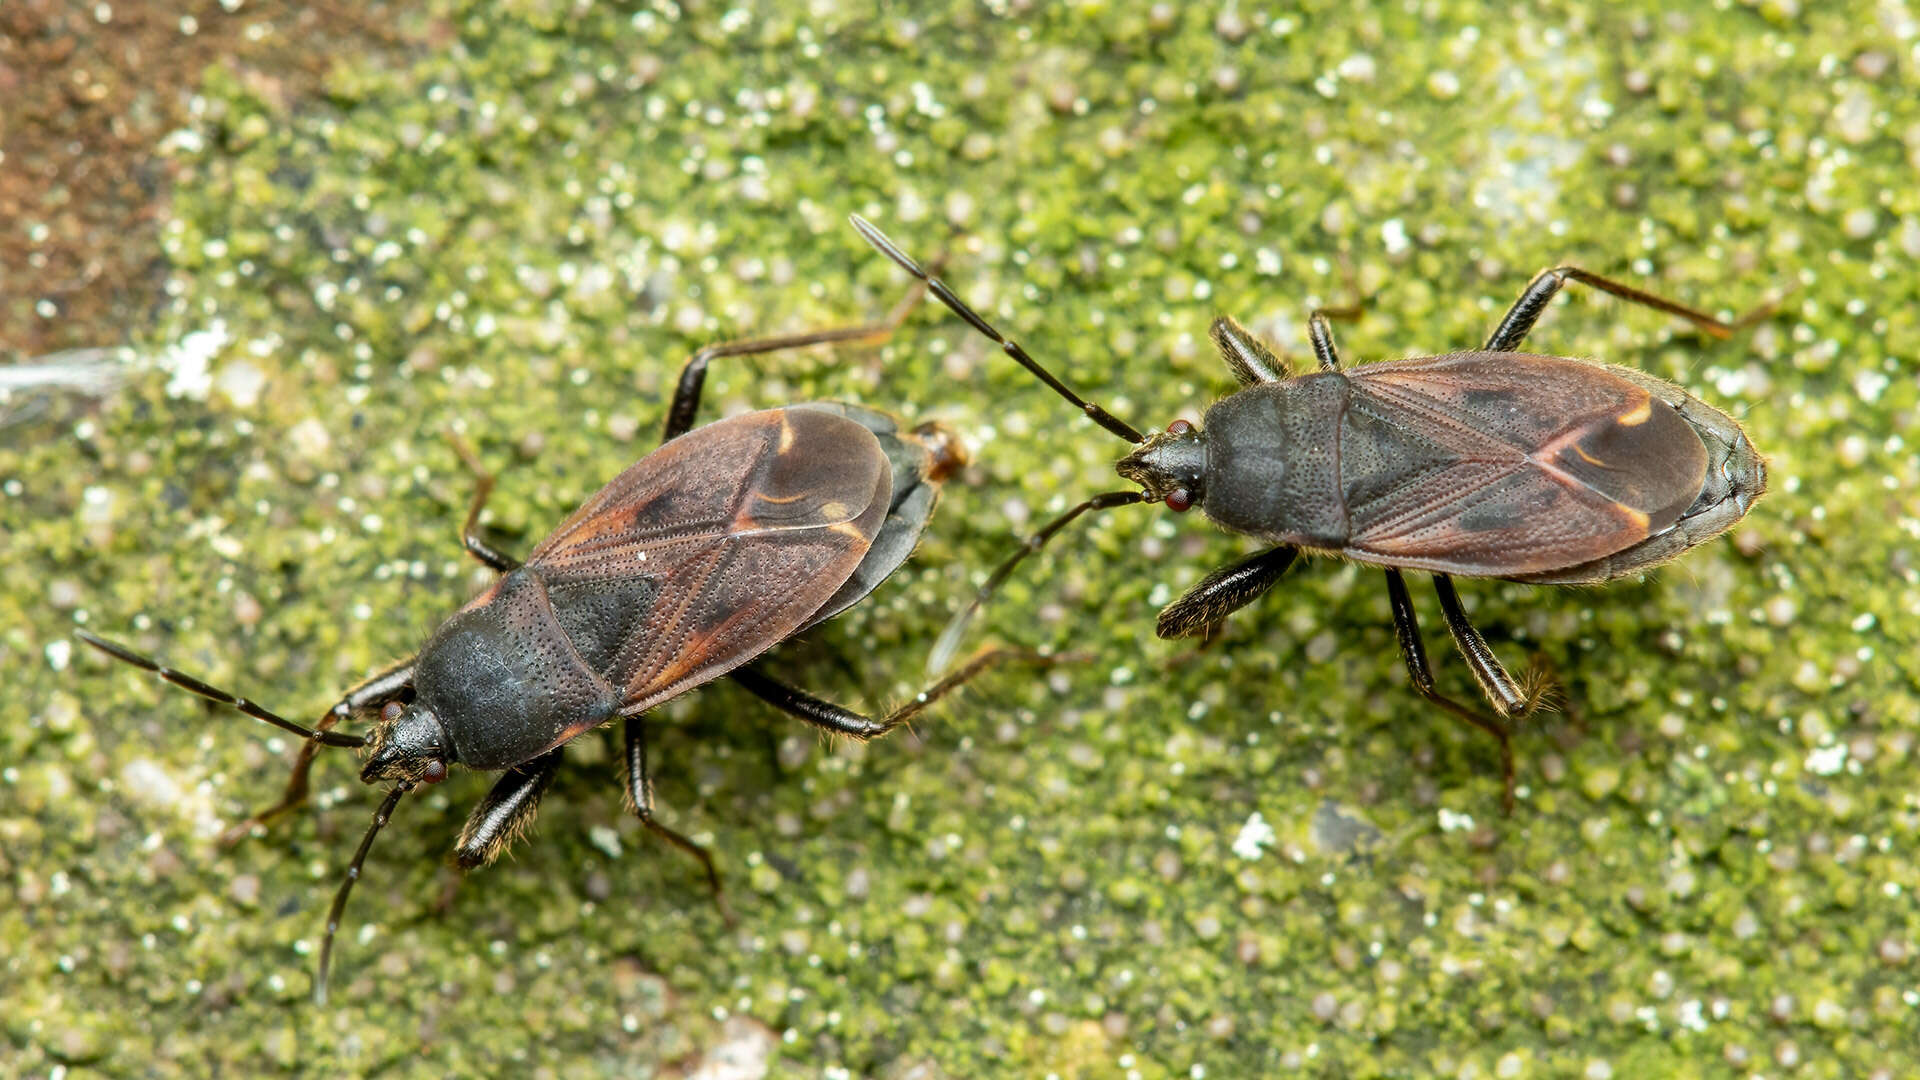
380, 817
949, 640
213, 693
1012, 348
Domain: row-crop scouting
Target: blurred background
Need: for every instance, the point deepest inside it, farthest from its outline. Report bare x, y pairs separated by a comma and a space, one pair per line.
259, 256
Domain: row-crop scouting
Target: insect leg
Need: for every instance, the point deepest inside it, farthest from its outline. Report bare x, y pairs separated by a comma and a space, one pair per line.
506, 811
1224, 592
844, 721
1547, 283
1252, 362
470, 537
693, 374
1248, 357
1505, 694
1406, 626
949, 640
389, 685
1317, 329
640, 799
819, 712
1321, 334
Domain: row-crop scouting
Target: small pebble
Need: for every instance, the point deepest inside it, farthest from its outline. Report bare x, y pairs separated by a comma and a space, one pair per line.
244, 889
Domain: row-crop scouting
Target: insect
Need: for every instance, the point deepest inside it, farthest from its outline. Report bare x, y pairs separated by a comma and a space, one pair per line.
726, 541
1492, 463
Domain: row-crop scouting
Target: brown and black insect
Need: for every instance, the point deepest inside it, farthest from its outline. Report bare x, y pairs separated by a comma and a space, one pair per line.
723, 543
1492, 463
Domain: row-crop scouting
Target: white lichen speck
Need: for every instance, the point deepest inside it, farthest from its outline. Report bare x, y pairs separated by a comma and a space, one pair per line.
1255, 837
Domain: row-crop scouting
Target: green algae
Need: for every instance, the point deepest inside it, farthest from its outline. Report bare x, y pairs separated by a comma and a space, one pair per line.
519, 230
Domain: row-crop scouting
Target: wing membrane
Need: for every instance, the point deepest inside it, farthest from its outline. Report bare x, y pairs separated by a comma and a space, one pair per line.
715, 547
1525, 463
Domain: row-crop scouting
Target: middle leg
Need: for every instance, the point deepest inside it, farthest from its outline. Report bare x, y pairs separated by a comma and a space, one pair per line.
1407, 626
470, 537
640, 801
1318, 330
1321, 334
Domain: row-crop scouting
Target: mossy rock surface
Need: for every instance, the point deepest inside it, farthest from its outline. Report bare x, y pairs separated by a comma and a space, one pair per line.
1269, 857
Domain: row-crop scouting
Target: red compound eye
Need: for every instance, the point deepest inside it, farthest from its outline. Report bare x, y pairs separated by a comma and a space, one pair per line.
1179, 501
1179, 427
391, 711
436, 772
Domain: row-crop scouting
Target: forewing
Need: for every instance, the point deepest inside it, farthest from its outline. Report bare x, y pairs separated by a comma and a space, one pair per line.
715, 547
1525, 463
910, 505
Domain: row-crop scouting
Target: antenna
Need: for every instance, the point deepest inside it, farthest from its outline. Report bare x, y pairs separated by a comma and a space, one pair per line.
1012, 348
213, 693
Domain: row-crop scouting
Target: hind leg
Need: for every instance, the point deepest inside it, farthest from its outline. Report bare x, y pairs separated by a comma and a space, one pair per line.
693, 374
1548, 283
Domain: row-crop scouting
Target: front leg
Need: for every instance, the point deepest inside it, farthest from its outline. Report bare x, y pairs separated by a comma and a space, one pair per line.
1224, 592
506, 811
1246, 355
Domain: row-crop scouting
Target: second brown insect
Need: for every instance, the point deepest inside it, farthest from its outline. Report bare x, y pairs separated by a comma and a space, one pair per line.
1492, 463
